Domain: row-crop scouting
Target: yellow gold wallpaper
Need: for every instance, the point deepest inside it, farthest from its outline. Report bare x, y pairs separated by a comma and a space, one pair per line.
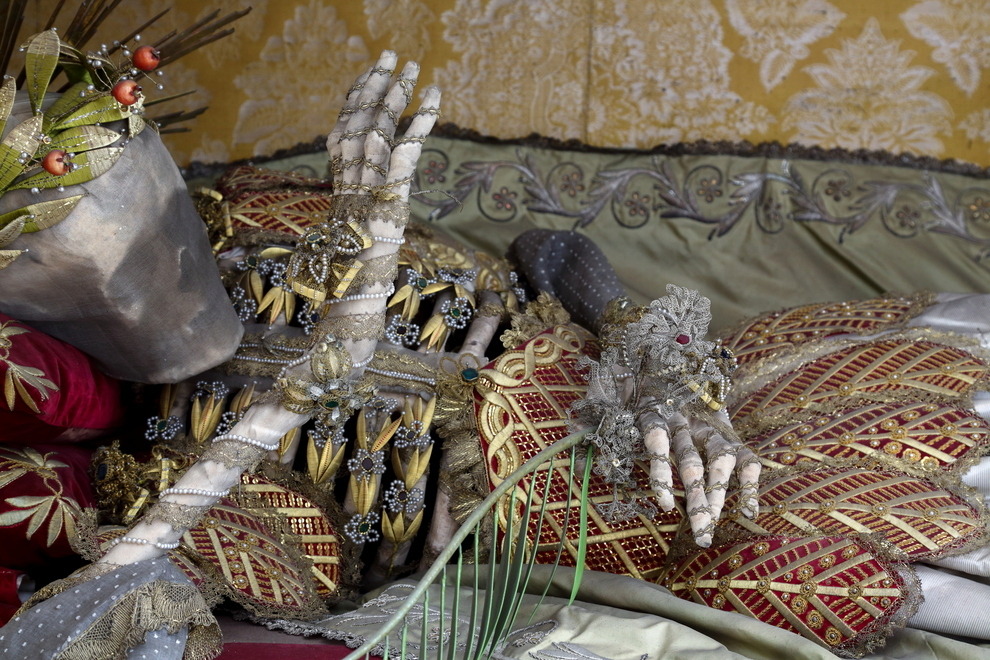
904, 76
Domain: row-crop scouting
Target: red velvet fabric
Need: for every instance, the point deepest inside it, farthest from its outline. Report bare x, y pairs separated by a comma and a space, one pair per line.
42, 489
268, 651
9, 600
86, 401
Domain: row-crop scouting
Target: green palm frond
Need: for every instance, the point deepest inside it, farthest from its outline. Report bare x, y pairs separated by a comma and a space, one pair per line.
495, 604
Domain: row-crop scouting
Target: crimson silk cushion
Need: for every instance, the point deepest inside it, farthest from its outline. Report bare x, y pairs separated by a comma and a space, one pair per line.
51, 390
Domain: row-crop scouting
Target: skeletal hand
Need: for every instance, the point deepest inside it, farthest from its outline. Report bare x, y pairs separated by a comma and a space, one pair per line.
365, 155
705, 481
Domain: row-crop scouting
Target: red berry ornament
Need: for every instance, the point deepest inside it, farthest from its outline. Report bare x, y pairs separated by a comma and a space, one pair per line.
126, 92
56, 162
146, 58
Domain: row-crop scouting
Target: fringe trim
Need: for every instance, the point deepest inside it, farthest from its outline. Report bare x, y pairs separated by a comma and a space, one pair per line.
152, 606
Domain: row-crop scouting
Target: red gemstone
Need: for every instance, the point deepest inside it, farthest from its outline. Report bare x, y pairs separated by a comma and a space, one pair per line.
126, 92
146, 58
682, 339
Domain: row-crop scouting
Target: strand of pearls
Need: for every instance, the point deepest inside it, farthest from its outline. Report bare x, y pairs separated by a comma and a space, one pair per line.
388, 239
263, 360
288, 349
365, 362
194, 491
363, 296
403, 376
161, 545
246, 440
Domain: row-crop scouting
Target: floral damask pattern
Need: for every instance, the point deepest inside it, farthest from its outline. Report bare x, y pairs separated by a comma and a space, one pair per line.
290, 83
654, 81
615, 73
493, 41
959, 33
778, 33
855, 108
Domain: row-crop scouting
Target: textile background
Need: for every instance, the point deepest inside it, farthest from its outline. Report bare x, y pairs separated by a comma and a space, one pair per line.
909, 76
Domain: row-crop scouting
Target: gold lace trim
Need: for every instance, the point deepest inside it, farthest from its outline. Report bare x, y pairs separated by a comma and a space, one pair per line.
354, 326
152, 606
234, 454
371, 208
265, 355
379, 270
541, 314
178, 516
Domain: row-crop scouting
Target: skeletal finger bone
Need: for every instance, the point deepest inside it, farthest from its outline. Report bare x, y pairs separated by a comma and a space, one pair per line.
361, 121
692, 472
721, 460
407, 149
378, 145
748, 468
657, 442
333, 137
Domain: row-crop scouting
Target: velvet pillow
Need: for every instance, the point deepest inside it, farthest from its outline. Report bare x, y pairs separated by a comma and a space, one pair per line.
43, 489
51, 390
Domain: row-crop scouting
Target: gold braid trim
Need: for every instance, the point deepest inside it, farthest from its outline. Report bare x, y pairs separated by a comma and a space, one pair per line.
152, 606
760, 373
754, 375
463, 473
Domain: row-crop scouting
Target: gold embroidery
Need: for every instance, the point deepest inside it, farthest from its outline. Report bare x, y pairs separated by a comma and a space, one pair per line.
18, 376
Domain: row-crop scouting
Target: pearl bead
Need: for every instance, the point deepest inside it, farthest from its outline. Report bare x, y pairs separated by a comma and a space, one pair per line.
161, 545
194, 491
363, 296
403, 376
387, 239
246, 440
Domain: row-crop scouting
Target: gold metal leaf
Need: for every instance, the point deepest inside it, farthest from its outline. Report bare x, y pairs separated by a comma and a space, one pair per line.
12, 230
7, 257
39, 65
50, 213
84, 138
8, 92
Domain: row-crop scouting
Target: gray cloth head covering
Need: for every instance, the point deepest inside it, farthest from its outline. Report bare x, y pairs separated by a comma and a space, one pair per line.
569, 266
129, 277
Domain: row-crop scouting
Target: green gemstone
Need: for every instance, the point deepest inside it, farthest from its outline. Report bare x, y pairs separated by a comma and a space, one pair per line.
469, 374
422, 282
455, 313
331, 404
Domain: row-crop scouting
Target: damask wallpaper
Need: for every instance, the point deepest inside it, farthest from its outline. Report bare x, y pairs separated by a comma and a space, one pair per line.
907, 76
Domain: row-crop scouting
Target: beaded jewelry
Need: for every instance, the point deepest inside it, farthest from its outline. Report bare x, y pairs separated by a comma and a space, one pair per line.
246, 440
363, 296
195, 491
161, 545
